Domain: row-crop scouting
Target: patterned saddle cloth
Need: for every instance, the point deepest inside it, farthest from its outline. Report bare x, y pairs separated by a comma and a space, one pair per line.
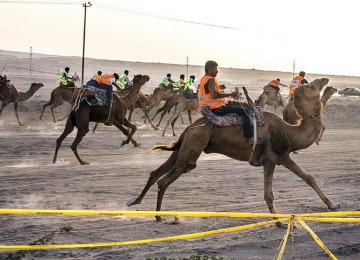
99, 98
230, 120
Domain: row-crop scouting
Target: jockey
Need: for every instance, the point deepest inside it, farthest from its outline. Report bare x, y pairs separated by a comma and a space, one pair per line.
166, 81
210, 96
297, 81
275, 83
124, 82
106, 81
189, 83
179, 84
64, 78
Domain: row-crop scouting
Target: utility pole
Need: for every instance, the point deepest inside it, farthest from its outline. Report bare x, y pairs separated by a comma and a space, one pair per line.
187, 67
30, 59
88, 4
293, 69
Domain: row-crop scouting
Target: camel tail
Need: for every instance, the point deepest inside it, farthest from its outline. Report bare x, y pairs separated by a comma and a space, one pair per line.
173, 146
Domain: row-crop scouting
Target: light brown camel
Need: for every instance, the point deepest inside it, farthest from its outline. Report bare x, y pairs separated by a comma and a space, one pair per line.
59, 95
290, 116
85, 113
11, 95
189, 104
169, 104
269, 97
279, 140
148, 102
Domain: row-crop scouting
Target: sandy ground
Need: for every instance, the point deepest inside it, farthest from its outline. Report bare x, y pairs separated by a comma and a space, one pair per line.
29, 179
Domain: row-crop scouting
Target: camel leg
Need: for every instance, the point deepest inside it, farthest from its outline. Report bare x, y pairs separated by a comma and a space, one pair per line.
172, 125
45, 106
189, 113
133, 130
130, 113
309, 179
177, 112
148, 118
96, 125
67, 115
69, 127
182, 120
16, 107
157, 112
186, 161
154, 176
2, 107
126, 132
161, 117
79, 136
323, 127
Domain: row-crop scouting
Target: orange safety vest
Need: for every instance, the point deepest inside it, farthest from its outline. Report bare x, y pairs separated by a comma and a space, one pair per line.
274, 83
295, 83
104, 79
206, 99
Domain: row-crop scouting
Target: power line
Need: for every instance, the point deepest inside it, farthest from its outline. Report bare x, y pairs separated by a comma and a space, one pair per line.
113, 8
40, 2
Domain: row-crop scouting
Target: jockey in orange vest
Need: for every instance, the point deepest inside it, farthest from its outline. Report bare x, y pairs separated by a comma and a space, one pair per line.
297, 81
210, 96
105, 81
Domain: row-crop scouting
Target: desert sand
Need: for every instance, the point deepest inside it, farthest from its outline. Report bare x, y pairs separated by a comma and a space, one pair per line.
29, 179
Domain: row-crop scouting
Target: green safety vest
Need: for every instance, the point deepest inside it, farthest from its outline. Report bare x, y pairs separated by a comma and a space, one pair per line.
188, 83
121, 81
63, 80
165, 82
176, 86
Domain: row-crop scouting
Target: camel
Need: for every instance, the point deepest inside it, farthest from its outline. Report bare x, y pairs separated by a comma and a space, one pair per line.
101, 114
61, 94
269, 97
169, 104
290, 116
148, 102
279, 139
189, 104
11, 95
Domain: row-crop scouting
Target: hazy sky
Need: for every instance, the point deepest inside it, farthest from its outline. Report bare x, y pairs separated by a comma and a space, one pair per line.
321, 36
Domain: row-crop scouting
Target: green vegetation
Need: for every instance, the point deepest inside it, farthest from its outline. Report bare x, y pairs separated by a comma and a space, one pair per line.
18, 255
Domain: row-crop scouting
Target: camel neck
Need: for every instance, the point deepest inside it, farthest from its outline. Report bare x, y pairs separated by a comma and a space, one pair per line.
305, 134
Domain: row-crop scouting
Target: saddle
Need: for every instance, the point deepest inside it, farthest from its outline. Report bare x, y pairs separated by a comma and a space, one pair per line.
230, 119
96, 98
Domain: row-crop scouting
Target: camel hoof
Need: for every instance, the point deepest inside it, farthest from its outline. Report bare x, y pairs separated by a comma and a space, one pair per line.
159, 219
122, 144
156, 128
281, 225
137, 145
131, 202
84, 163
317, 142
333, 206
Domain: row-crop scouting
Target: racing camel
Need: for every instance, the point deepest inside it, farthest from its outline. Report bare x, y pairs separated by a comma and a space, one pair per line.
279, 139
11, 95
85, 113
61, 94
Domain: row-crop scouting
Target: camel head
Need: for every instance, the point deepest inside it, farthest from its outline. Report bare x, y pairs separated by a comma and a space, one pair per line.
328, 92
307, 98
36, 86
140, 80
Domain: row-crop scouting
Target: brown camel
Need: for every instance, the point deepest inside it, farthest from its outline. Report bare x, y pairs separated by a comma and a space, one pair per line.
189, 104
169, 104
59, 95
279, 140
11, 95
290, 116
270, 97
117, 116
148, 102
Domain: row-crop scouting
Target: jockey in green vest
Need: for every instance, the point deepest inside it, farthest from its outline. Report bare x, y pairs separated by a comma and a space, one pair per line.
188, 83
166, 81
179, 84
124, 82
64, 77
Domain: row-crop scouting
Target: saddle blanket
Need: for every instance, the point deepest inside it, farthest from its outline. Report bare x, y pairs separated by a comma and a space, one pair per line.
230, 120
99, 98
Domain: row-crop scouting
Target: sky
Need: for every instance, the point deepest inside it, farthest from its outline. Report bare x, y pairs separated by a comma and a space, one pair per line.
317, 36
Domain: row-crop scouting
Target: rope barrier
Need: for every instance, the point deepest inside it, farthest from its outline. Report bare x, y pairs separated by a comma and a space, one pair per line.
301, 218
